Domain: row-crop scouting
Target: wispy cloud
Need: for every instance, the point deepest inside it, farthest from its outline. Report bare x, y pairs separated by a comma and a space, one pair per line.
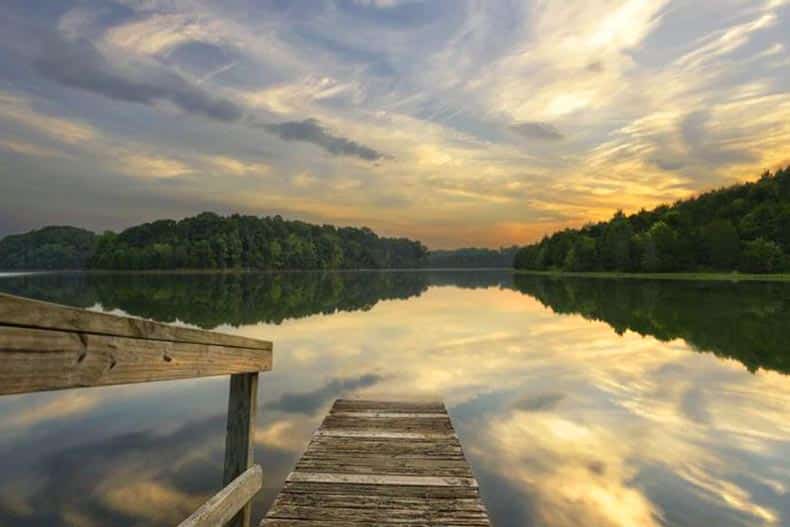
152, 166
20, 110
541, 131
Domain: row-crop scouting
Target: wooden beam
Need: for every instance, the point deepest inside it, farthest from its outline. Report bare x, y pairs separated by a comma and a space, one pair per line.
239, 439
34, 360
24, 312
228, 502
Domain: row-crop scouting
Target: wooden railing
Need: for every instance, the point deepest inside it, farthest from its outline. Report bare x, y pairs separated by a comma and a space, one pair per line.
50, 347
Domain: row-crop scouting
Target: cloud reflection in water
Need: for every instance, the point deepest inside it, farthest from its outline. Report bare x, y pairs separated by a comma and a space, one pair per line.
565, 421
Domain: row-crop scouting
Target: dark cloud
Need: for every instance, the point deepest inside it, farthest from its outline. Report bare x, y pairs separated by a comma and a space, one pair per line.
539, 403
701, 146
311, 131
694, 406
79, 64
537, 130
595, 67
309, 402
668, 164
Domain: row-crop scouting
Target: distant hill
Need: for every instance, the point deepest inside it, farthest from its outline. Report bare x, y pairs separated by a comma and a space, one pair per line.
743, 227
55, 247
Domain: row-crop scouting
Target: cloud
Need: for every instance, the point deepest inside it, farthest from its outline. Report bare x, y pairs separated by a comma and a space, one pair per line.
27, 149
161, 33
19, 109
536, 130
153, 166
64, 406
725, 41
595, 66
310, 402
311, 131
236, 167
77, 63
539, 403
154, 501
704, 146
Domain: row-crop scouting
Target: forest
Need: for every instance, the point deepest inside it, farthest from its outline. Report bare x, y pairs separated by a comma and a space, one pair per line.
48, 248
743, 227
210, 241
471, 257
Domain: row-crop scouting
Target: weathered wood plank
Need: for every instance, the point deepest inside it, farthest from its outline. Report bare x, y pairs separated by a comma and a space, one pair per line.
36, 360
382, 479
354, 501
18, 311
331, 489
350, 522
388, 515
381, 463
354, 405
384, 465
374, 433
228, 502
390, 424
401, 415
239, 439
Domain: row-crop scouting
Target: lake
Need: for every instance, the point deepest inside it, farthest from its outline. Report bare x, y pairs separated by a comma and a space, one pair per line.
579, 401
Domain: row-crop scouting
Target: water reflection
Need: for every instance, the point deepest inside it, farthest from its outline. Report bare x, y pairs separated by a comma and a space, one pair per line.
746, 321
565, 421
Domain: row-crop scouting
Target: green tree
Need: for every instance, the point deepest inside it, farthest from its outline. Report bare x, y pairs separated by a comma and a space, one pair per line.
722, 244
762, 256
616, 244
665, 239
649, 262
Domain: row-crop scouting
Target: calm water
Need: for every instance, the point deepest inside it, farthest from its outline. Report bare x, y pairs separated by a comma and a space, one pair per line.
579, 401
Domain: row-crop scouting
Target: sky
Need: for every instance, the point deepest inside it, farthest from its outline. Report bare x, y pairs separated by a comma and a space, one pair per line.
458, 123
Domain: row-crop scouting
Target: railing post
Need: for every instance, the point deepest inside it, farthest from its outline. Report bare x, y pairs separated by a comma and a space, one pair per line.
239, 441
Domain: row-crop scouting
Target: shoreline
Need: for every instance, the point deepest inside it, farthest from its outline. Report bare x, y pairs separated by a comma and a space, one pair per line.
689, 276
247, 271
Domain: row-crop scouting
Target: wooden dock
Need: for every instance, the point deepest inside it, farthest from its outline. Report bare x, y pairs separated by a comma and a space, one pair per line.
381, 463
370, 463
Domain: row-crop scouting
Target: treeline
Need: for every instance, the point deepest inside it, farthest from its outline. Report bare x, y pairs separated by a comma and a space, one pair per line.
744, 227
210, 241
471, 257
48, 248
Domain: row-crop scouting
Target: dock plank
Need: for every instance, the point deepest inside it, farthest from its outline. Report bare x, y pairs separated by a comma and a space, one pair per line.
381, 463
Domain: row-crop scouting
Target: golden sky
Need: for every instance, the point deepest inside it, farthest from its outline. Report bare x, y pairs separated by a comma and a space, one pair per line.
455, 122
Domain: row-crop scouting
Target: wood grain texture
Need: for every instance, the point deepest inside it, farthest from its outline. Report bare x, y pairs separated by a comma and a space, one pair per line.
36, 360
380, 463
24, 312
239, 438
224, 505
